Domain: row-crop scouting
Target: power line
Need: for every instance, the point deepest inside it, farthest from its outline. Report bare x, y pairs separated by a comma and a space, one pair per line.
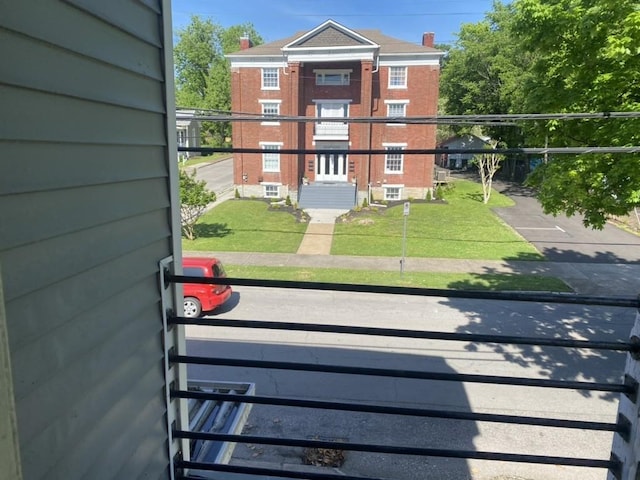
427, 151
484, 119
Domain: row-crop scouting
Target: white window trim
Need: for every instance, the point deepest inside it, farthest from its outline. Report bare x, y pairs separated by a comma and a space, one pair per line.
397, 102
262, 104
277, 87
344, 73
270, 144
406, 75
271, 184
399, 187
389, 146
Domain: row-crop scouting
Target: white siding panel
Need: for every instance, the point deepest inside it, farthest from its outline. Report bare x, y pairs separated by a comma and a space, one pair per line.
131, 16
61, 347
48, 166
66, 448
34, 315
85, 217
29, 218
38, 116
81, 32
58, 258
89, 80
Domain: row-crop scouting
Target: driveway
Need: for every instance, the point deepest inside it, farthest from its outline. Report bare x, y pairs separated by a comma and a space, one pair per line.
564, 239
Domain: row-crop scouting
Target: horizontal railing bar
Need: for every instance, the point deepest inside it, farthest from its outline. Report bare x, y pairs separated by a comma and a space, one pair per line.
415, 291
424, 151
399, 450
268, 472
382, 372
415, 412
419, 334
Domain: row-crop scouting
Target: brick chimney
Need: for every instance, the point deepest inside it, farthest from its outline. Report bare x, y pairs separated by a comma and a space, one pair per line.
245, 42
428, 39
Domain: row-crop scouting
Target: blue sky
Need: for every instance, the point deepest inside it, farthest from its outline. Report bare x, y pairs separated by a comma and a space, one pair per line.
275, 19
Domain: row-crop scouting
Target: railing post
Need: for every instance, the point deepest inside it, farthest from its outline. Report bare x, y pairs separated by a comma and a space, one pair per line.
626, 446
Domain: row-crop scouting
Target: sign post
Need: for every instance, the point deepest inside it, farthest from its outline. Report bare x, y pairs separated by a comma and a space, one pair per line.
407, 208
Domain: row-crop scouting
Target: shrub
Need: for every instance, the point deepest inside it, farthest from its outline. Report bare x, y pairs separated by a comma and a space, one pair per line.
287, 201
237, 193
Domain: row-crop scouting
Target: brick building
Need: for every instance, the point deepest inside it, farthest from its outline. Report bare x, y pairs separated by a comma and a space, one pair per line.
330, 73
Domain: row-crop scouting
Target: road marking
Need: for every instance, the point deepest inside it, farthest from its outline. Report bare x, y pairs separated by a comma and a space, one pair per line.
540, 228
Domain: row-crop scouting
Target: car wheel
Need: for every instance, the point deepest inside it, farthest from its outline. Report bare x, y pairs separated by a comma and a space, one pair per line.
192, 307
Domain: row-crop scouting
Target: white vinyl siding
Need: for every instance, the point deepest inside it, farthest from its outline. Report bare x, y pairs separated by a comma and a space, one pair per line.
86, 212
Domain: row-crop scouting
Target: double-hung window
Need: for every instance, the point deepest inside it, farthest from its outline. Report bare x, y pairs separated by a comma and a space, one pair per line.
271, 191
396, 109
270, 108
270, 159
270, 79
394, 159
397, 77
392, 193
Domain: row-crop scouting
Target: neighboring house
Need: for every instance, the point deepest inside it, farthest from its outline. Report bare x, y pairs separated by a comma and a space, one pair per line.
330, 73
188, 132
88, 208
460, 161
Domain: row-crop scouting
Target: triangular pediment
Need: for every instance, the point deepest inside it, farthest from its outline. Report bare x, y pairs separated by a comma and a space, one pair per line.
330, 34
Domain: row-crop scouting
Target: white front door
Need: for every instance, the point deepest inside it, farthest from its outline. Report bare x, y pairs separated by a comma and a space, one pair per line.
331, 167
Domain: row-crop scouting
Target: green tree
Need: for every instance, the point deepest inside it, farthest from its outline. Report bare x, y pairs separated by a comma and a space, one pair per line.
488, 164
203, 78
586, 59
194, 199
484, 72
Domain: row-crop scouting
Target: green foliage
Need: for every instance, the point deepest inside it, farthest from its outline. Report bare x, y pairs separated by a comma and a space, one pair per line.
203, 76
558, 56
236, 193
484, 72
365, 202
587, 60
194, 198
429, 195
287, 201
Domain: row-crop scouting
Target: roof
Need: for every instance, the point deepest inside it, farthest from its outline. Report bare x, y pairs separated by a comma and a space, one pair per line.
332, 34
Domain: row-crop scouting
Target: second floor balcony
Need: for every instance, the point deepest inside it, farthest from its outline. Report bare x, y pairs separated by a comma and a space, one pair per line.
331, 131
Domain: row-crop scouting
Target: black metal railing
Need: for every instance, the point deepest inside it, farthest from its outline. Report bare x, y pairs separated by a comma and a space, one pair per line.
622, 427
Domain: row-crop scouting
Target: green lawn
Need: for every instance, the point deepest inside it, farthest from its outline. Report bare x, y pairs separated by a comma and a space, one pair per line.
462, 228
457, 281
246, 226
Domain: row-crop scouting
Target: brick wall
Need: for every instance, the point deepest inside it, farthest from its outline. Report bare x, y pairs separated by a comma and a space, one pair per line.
297, 94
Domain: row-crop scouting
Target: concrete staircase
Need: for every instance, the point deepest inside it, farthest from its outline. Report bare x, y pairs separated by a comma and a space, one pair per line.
332, 195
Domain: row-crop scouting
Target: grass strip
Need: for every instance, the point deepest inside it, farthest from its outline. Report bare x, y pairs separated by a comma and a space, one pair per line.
455, 281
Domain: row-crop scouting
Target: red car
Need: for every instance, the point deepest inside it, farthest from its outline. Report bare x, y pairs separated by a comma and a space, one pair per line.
200, 297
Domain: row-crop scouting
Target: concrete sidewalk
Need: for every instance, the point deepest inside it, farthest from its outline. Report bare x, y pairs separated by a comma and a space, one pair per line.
598, 279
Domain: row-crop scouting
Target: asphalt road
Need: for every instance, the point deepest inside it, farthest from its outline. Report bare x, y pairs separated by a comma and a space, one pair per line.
218, 175
440, 314
565, 239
